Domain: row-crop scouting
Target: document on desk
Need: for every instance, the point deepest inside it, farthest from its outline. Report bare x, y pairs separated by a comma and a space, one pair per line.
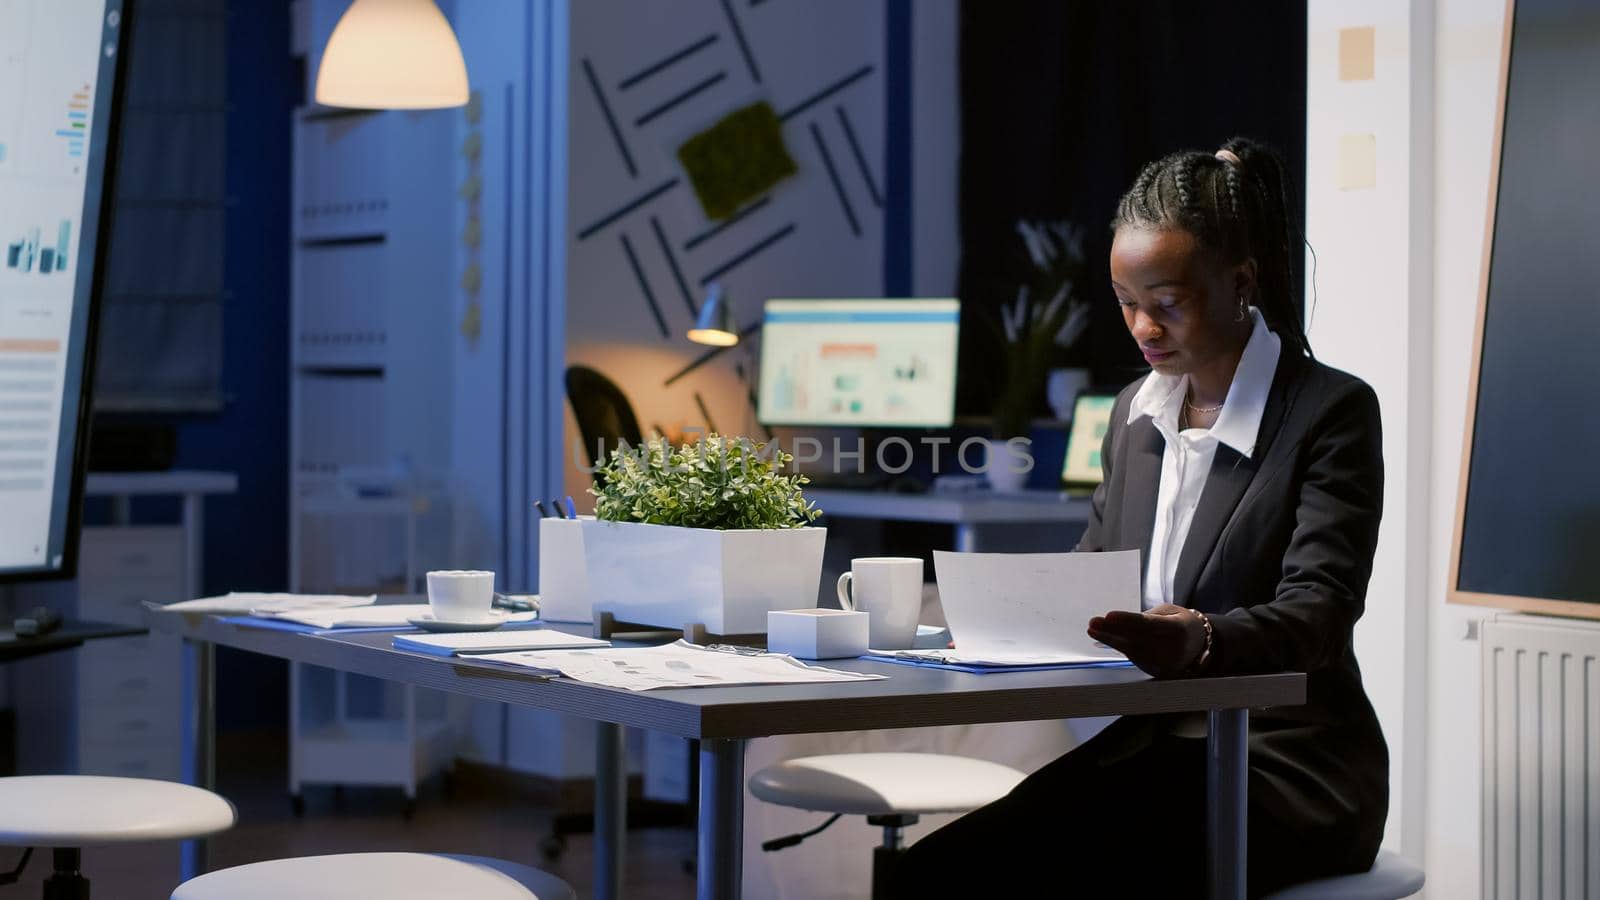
240, 602
679, 665
1030, 608
391, 615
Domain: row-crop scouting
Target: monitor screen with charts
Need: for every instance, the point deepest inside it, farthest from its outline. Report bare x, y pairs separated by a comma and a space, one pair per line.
1091, 419
879, 363
58, 75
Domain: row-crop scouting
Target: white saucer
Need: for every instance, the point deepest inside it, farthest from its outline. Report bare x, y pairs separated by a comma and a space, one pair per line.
496, 618
931, 637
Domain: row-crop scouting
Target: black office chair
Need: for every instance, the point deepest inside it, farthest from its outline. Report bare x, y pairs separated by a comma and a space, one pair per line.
605, 418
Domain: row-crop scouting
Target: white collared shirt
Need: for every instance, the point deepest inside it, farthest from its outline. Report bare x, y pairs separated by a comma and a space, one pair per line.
1187, 460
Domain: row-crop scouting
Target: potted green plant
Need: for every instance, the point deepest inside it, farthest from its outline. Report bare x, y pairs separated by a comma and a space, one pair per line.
710, 532
1037, 330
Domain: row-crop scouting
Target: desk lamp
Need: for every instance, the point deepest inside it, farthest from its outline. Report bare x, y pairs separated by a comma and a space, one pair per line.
714, 325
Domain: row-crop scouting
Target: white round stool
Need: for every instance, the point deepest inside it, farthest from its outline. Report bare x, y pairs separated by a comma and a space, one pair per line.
1390, 878
891, 789
70, 812
365, 876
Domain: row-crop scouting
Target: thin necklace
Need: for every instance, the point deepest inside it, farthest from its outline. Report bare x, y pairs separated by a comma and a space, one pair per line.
1203, 409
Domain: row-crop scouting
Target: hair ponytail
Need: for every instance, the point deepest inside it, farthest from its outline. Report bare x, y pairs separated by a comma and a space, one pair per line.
1239, 209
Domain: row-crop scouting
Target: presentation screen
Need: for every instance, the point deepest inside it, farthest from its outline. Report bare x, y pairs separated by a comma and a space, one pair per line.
882, 363
1528, 512
58, 73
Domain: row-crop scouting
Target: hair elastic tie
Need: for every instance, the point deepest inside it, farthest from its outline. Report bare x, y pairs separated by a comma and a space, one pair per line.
1229, 156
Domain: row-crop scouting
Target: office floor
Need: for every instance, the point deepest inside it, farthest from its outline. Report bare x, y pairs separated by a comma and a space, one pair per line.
250, 773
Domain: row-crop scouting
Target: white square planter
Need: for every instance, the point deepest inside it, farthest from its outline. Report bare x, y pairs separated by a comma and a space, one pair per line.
669, 577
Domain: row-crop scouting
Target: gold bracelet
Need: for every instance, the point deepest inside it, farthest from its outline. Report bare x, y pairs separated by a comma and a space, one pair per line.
1205, 652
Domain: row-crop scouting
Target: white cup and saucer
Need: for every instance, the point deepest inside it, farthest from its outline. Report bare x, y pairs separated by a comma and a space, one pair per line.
461, 600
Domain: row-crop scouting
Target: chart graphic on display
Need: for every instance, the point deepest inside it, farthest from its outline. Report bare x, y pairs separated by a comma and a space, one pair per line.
47, 73
861, 362
57, 73
40, 251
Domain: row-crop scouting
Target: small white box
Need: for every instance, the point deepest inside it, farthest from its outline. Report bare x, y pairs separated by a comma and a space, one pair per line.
563, 574
817, 633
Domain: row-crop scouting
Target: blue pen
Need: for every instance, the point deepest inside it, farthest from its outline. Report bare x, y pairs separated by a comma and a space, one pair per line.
572, 508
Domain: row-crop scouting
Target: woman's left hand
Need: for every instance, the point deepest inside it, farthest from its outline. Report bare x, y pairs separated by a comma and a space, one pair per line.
1164, 641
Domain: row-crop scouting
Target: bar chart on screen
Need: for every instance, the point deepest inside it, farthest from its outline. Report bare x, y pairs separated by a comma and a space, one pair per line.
46, 90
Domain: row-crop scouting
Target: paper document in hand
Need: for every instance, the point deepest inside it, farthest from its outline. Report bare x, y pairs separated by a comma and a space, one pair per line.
240, 602
676, 665
1031, 608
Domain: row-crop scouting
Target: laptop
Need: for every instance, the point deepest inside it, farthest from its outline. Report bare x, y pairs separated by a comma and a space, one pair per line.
1091, 419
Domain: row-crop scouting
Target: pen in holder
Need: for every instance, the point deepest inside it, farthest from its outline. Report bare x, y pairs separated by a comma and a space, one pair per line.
563, 576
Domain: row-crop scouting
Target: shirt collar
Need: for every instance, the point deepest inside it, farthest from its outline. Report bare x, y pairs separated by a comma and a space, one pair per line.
1161, 396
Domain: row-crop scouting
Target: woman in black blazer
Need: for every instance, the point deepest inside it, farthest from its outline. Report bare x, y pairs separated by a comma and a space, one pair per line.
1254, 474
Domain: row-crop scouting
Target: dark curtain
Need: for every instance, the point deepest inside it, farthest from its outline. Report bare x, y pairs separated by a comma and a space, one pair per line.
1063, 102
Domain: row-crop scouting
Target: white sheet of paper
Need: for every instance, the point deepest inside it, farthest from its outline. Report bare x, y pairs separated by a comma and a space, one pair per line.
678, 665
245, 602
397, 614
1032, 607
495, 641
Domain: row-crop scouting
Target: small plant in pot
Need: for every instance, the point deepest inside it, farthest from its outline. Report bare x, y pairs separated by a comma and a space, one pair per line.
710, 533
1037, 331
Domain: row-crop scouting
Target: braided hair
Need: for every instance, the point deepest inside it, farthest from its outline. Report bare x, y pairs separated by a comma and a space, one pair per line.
1239, 210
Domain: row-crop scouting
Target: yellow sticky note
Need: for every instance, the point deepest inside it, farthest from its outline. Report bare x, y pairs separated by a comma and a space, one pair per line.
1357, 49
1358, 162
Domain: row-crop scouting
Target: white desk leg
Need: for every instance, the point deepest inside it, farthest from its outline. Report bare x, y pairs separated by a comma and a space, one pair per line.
721, 850
199, 763
966, 537
1227, 779
610, 809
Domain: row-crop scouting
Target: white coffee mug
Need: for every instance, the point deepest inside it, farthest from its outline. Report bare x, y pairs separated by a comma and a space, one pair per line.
461, 595
889, 590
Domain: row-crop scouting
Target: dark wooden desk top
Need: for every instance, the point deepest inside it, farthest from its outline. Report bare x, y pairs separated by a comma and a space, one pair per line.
70, 634
909, 697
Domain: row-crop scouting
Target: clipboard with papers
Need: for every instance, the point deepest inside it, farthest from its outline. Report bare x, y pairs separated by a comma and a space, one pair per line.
1026, 612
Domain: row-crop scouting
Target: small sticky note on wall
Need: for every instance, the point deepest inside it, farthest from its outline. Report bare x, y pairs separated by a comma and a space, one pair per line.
1357, 47
1358, 162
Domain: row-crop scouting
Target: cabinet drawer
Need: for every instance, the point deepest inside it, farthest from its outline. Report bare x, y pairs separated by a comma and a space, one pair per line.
138, 723
131, 551
120, 601
132, 759
154, 691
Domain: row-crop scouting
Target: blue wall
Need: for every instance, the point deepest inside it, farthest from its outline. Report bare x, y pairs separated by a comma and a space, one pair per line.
246, 546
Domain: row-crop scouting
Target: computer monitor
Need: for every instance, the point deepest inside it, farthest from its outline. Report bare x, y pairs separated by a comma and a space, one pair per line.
1091, 419
877, 363
60, 80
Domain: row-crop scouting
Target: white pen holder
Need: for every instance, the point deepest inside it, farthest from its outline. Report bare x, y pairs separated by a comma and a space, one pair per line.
817, 633
563, 574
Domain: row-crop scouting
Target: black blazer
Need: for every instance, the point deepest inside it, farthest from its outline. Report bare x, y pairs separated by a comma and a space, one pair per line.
1278, 556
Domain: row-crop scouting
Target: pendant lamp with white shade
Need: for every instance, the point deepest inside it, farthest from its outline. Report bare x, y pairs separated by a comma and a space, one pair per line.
392, 54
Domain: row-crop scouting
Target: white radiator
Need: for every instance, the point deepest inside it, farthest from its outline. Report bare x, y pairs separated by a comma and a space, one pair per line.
1541, 758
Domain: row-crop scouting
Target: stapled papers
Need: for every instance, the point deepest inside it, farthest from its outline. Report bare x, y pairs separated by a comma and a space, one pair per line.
678, 665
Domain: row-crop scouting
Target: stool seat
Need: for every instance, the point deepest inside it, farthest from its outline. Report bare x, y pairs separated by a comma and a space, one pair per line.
884, 784
1390, 878
377, 876
91, 810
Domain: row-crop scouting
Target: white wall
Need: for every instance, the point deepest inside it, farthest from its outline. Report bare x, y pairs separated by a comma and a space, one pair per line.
1369, 320
1468, 71
1399, 268
935, 146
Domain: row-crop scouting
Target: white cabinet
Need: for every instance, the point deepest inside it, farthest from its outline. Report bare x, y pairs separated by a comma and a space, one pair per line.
372, 299
110, 707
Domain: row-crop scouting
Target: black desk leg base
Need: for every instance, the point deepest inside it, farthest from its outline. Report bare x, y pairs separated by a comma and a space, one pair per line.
66, 882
